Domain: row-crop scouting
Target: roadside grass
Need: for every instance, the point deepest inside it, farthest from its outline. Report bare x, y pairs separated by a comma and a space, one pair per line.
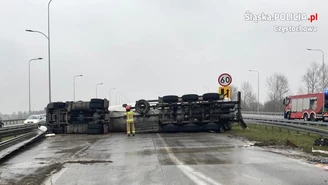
6, 138
271, 135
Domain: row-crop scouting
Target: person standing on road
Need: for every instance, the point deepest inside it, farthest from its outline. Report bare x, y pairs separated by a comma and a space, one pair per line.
129, 121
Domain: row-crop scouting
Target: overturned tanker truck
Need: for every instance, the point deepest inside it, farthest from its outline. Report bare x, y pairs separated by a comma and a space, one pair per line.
192, 109
94, 117
78, 117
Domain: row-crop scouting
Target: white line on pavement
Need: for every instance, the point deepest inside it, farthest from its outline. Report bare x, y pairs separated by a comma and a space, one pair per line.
195, 176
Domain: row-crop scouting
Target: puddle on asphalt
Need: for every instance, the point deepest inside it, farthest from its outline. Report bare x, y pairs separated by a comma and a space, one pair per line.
88, 161
194, 160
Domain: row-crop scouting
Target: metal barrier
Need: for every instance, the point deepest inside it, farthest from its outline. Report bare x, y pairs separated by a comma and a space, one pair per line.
13, 122
304, 126
264, 113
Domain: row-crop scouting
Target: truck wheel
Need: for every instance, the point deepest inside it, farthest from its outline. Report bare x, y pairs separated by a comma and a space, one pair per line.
94, 105
190, 97
228, 106
170, 99
312, 118
97, 100
211, 96
142, 106
306, 118
227, 126
56, 105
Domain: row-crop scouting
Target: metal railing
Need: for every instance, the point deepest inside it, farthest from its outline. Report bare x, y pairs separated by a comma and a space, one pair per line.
303, 126
264, 113
13, 122
17, 129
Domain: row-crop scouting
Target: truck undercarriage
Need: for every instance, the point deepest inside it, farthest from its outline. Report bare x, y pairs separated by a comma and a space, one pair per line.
194, 109
93, 117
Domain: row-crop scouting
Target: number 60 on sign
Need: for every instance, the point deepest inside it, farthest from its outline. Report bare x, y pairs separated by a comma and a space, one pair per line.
225, 79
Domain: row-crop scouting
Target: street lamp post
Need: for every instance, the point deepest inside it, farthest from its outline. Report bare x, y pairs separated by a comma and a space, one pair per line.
74, 85
323, 75
29, 83
110, 95
258, 90
48, 38
97, 89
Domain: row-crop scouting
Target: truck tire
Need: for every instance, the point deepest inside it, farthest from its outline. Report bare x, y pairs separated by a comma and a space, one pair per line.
170, 99
142, 106
211, 96
189, 97
230, 116
56, 105
94, 105
228, 106
97, 100
227, 126
306, 118
312, 118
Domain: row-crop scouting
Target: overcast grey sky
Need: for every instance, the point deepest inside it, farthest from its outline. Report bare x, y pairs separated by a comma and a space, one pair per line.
149, 48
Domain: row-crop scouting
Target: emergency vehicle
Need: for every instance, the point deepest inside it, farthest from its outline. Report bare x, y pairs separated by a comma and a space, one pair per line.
309, 107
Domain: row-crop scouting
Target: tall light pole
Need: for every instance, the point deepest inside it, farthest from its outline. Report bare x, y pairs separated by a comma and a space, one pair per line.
74, 85
110, 95
29, 83
48, 38
258, 90
97, 89
323, 75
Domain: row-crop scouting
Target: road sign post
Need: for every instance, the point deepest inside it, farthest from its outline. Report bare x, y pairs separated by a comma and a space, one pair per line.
225, 79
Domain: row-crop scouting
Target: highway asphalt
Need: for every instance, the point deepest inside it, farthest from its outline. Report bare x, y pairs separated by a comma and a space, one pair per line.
170, 158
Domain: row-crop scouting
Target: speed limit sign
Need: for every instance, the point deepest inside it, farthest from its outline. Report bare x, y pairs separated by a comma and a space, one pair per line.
225, 79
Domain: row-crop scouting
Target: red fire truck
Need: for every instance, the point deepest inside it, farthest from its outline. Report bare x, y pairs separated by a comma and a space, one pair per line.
307, 106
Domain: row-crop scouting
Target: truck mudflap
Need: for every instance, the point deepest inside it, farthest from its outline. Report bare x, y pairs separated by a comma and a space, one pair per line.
239, 114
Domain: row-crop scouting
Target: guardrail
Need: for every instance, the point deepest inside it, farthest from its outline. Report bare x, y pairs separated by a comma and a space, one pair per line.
17, 129
294, 125
264, 113
13, 122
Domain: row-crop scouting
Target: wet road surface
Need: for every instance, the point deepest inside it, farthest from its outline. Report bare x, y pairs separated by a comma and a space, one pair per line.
172, 158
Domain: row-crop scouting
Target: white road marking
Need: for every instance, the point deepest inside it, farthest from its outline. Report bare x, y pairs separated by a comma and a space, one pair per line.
193, 175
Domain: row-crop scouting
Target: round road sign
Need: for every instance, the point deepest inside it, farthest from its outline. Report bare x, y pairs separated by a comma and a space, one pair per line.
225, 79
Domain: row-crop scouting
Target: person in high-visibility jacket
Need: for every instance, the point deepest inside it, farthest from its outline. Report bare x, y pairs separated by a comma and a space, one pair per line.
129, 121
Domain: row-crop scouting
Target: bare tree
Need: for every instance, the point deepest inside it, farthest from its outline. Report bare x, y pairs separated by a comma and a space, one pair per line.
312, 79
278, 89
321, 71
248, 97
234, 91
302, 90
